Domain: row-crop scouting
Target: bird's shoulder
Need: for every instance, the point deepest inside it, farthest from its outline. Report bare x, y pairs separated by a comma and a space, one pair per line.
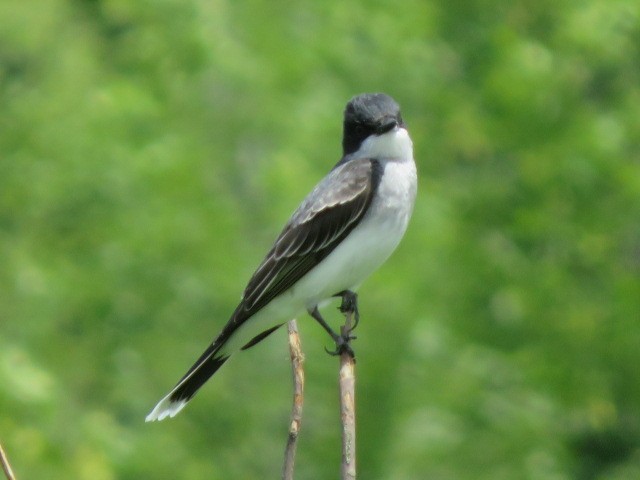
346, 182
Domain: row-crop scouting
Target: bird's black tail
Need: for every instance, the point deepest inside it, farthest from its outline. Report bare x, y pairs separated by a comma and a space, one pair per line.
208, 363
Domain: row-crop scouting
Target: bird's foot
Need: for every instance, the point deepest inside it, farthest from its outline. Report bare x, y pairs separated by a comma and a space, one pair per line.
343, 345
349, 305
342, 340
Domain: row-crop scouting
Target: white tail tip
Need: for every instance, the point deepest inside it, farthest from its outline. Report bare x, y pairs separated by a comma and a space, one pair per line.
165, 408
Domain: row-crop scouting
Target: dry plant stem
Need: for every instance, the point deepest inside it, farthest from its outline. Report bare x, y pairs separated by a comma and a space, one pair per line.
297, 360
348, 407
6, 467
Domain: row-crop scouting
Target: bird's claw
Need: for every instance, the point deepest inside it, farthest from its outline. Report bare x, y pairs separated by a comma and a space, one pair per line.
342, 345
350, 305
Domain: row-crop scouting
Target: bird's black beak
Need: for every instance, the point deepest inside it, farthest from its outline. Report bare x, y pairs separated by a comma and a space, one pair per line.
386, 125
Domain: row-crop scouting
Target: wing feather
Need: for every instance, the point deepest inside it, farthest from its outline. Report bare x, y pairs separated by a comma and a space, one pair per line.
322, 221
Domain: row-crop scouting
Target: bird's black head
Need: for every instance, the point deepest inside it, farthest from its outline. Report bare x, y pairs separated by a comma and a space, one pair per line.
368, 114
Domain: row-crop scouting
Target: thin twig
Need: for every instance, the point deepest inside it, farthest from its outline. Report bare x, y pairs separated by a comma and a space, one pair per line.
348, 406
297, 360
6, 467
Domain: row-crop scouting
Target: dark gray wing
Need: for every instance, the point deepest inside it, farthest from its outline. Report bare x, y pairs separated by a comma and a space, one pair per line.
334, 207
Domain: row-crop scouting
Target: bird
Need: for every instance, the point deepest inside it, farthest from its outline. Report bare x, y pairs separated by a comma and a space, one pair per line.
346, 228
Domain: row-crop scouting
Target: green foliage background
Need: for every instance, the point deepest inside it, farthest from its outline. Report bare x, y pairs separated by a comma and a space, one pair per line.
150, 152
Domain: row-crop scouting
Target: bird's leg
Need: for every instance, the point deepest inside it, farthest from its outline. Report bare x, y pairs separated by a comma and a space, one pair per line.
350, 305
342, 341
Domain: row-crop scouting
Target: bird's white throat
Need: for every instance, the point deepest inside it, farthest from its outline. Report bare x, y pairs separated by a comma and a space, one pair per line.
395, 144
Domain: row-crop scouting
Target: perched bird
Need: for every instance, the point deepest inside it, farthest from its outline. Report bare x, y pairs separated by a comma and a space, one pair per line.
344, 230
